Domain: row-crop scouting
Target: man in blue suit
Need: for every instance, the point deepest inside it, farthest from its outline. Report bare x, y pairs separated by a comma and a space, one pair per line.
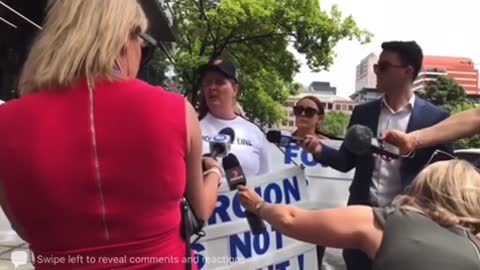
376, 181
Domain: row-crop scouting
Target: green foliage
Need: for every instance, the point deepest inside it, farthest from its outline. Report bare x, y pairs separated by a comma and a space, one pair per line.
448, 94
472, 142
335, 123
154, 71
258, 36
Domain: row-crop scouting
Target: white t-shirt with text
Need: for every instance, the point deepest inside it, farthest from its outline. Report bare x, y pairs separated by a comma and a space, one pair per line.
250, 145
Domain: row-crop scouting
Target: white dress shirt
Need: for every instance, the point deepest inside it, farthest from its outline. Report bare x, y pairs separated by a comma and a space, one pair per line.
386, 180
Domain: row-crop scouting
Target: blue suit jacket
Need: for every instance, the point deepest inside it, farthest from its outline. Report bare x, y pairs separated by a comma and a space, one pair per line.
424, 114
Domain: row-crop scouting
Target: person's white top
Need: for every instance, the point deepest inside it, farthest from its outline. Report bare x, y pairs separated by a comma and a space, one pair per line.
250, 145
386, 180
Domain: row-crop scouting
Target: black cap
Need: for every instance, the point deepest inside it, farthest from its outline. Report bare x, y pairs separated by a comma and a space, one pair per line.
226, 68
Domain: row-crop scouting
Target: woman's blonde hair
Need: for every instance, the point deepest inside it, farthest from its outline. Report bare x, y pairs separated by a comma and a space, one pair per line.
448, 192
238, 109
80, 38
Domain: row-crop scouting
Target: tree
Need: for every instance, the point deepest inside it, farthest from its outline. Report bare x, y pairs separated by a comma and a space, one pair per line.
335, 123
472, 142
448, 94
258, 36
155, 71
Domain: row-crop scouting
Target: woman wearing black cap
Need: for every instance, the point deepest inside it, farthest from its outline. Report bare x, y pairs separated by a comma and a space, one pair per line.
220, 91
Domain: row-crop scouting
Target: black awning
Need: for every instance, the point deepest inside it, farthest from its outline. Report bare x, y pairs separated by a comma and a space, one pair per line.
159, 26
34, 10
21, 36
15, 42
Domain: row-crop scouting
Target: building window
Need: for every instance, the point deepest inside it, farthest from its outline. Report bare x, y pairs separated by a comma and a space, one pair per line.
350, 107
284, 122
338, 107
432, 76
418, 82
290, 114
441, 70
290, 123
329, 106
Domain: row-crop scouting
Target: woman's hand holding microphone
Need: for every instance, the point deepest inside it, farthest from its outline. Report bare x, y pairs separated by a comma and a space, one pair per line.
252, 201
212, 167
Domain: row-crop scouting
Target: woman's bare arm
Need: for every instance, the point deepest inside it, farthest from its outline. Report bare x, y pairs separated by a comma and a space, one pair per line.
201, 190
350, 227
458, 126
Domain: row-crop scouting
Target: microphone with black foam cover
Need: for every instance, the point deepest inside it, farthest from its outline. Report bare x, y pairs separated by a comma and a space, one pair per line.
281, 138
360, 141
235, 177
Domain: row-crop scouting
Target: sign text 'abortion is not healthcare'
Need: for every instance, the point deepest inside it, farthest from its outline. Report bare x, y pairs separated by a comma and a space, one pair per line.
228, 234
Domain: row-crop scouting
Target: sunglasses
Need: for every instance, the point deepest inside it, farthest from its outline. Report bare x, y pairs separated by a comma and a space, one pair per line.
148, 48
439, 155
305, 111
384, 66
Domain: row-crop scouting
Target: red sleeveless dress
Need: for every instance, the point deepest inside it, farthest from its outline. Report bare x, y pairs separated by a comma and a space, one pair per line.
97, 190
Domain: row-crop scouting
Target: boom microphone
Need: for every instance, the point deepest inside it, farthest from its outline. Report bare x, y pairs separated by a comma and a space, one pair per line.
235, 177
360, 141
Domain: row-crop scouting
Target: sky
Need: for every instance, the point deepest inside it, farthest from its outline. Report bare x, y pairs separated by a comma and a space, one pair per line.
450, 28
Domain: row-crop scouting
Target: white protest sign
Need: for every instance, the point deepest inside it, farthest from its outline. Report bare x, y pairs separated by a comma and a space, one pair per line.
229, 244
327, 187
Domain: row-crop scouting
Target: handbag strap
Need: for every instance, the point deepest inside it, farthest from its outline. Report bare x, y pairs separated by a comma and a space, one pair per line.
188, 234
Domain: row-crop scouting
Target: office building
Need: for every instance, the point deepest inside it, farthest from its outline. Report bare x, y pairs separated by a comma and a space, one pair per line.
366, 95
365, 76
461, 69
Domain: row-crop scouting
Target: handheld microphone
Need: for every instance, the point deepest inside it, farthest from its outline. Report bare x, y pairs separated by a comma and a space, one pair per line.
220, 144
360, 141
281, 138
235, 177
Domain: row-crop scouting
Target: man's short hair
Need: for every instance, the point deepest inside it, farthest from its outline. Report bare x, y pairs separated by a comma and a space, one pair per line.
409, 52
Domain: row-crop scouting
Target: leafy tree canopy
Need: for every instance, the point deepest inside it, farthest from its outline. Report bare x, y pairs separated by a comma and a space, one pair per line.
335, 123
448, 94
259, 37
